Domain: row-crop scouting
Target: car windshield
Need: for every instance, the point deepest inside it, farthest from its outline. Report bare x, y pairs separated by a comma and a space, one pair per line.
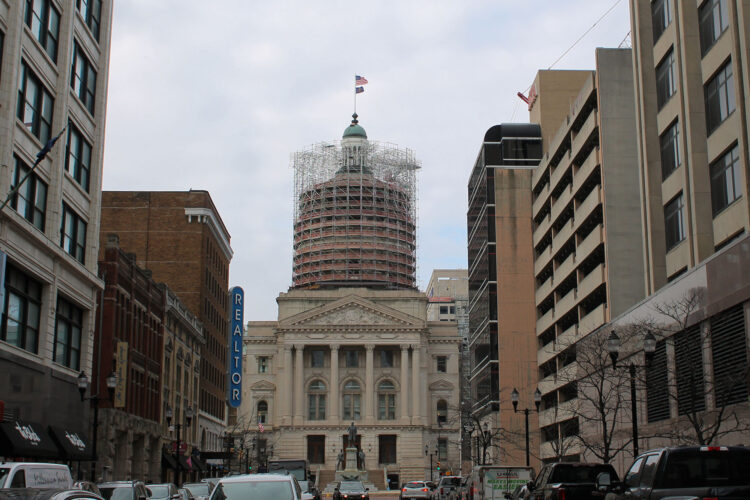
450, 481
252, 490
112, 493
158, 491
4, 471
199, 489
351, 486
414, 485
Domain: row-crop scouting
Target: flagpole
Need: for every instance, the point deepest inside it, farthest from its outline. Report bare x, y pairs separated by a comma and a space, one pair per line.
355, 94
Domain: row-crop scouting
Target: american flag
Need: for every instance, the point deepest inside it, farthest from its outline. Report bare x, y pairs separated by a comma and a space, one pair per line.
260, 427
359, 90
359, 80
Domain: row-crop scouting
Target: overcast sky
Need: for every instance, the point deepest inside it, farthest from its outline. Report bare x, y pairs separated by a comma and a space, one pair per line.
216, 95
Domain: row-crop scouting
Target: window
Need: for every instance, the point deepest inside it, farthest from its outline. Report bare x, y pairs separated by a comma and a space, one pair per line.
352, 359
666, 81
68, 323
21, 310
443, 309
674, 222
661, 16
2, 43
714, 20
442, 411
386, 401
730, 354
30, 201
44, 21
726, 180
34, 104
386, 449
452, 309
719, 96
442, 449
316, 399
442, 364
262, 364
657, 395
83, 78
73, 234
351, 401
634, 474
91, 10
317, 358
78, 157
262, 412
316, 449
688, 347
386, 358
670, 150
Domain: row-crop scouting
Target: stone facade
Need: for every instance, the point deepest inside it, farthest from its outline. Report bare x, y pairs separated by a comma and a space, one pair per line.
343, 355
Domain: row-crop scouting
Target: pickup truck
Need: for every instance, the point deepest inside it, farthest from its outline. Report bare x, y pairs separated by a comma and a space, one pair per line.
715, 472
569, 481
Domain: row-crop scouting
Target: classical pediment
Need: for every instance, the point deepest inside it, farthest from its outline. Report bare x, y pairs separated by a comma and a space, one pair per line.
263, 385
352, 311
441, 385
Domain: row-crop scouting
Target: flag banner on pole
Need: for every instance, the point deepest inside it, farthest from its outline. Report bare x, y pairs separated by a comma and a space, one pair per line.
359, 80
359, 90
260, 427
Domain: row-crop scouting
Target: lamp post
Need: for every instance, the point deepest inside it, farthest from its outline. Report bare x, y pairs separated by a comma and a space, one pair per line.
178, 427
83, 384
428, 452
537, 402
614, 345
483, 433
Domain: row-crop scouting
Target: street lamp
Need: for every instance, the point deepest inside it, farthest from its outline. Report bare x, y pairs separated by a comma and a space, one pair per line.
649, 348
431, 453
83, 384
484, 433
537, 402
178, 427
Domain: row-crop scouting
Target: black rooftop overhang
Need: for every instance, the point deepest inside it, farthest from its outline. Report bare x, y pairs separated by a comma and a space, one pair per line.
497, 133
26, 439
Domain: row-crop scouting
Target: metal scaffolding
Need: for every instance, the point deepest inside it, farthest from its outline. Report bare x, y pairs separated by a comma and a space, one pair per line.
355, 215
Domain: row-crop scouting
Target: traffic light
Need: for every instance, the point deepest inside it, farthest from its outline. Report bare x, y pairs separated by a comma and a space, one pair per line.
249, 468
438, 465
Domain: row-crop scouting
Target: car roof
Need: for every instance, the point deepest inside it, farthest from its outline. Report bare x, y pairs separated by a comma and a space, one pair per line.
246, 478
115, 484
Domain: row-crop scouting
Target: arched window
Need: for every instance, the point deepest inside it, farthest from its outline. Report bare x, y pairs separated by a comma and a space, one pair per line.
386, 401
442, 411
352, 400
262, 412
316, 400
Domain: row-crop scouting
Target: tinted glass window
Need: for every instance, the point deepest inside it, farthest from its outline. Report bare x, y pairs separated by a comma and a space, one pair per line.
578, 474
631, 478
695, 468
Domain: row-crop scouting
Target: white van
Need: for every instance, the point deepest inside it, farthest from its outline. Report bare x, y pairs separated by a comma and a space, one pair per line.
34, 475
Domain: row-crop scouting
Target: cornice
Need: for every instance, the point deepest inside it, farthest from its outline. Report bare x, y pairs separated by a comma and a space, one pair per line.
208, 216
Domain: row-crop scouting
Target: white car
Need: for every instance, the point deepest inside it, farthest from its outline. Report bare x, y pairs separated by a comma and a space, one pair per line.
257, 487
35, 475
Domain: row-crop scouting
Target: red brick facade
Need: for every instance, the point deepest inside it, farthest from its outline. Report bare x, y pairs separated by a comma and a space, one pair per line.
180, 237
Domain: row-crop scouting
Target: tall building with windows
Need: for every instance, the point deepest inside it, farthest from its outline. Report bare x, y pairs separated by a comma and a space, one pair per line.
54, 65
691, 85
181, 239
587, 235
353, 342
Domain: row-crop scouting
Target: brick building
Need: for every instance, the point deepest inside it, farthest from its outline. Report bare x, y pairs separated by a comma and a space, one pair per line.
181, 239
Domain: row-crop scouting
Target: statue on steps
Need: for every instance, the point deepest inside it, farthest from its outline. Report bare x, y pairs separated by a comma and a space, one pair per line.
352, 436
340, 461
361, 460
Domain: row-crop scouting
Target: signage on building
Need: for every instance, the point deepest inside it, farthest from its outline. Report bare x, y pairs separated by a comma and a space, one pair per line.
235, 346
121, 358
75, 440
28, 433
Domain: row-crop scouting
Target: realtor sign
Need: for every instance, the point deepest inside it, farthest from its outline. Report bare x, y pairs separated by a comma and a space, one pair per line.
236, 296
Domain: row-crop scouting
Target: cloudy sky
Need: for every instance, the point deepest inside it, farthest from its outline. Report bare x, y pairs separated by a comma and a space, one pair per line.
216, 95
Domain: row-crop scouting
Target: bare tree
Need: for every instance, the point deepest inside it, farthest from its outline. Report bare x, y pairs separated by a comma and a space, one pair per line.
705, 405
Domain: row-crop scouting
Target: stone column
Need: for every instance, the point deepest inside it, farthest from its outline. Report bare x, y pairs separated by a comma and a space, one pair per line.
333, 405
286, 401
404, 383
299, 393
416, 413
369, 382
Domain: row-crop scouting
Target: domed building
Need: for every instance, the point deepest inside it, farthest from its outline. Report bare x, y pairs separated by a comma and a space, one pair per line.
352, 341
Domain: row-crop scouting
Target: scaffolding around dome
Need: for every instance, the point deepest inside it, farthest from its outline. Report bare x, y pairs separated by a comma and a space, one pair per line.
355, 218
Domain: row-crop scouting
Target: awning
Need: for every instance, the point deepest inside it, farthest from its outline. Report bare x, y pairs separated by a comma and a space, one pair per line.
183, 463
197, 464
74, 445
168, 459
26, 439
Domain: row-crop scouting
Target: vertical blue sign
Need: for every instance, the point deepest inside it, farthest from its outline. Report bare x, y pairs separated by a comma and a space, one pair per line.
235, 347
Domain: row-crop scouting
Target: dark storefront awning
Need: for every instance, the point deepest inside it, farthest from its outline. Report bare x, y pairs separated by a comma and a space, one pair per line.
74, 445
183, 463
26, 439
168, 459
197, 464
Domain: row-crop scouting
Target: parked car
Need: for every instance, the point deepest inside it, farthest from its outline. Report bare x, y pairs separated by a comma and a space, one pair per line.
87, 486
448, 487
35, 475
211, 481
716, 472
163, 491
416, 489
185, 494
199, 491
567, 480
124, 490
351, 490
47, 494
308, 488
257, 487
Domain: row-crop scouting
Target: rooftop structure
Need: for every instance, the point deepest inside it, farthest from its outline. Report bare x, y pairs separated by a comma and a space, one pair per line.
355, 213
